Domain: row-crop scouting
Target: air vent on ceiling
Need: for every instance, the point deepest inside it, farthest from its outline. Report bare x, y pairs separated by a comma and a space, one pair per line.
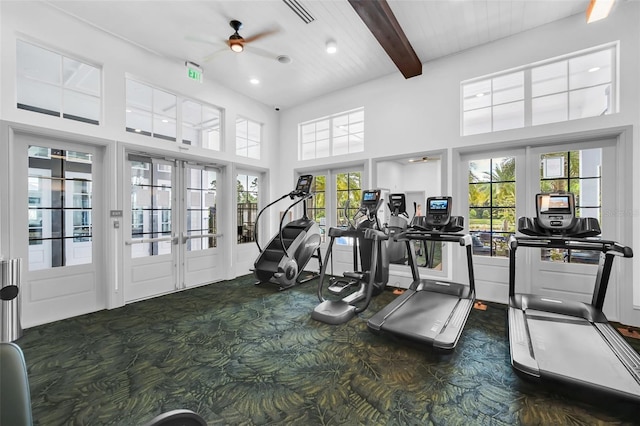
299, 10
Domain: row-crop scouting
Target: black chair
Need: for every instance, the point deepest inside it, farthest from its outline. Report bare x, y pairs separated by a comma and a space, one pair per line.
15, 400
179, 417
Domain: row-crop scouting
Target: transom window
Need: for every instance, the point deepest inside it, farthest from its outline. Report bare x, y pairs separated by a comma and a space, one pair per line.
53, 84
579, 85
150, 111
248, 138
201, 125
337, 134
492, 204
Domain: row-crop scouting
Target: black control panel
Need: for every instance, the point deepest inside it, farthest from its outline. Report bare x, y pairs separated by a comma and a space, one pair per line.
371, 199
303, 187
397, 203
555, 211
438, 211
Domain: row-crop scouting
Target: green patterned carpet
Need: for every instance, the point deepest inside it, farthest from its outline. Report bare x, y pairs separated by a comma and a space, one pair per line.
240, 355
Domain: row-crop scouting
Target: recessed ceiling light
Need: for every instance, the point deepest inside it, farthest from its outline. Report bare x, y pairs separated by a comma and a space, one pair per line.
479, 95
594, 69
254, 81
332, 47
137, 130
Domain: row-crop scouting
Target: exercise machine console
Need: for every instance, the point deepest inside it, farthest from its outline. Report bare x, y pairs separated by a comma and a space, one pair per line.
396, 250
430, 312
357, 287
283, 260
561, 340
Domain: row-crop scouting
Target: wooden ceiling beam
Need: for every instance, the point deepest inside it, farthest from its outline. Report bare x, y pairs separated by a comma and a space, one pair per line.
379, 18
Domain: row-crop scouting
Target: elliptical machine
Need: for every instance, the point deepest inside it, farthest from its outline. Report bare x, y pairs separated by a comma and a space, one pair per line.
397, 250
358, 285
289, 251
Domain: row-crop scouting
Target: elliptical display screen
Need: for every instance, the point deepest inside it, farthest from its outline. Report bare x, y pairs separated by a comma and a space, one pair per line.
370, 198
437, 206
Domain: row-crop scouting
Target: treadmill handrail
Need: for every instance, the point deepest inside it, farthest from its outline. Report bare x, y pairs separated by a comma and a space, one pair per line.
605, 246
426, 235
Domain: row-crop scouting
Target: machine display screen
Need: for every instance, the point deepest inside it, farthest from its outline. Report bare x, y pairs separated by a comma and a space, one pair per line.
438, 206
555, 204
304, 183
370, 196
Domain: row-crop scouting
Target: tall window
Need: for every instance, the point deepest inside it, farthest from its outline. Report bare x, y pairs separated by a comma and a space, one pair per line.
60, 207
201, 208
247, 204
52, 84
348, 196
492, 204
579, 85
316, 206
337, 134
201, 125
150, 111
248, 138
151, 195
578, 172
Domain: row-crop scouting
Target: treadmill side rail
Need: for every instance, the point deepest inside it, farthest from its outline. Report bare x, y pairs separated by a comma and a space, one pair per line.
450, 334
522, 357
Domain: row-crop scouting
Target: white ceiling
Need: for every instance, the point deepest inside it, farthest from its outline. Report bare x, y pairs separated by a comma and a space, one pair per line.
194, 30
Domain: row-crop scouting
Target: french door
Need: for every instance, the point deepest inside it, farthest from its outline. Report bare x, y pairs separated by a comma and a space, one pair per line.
172, 242
57, 227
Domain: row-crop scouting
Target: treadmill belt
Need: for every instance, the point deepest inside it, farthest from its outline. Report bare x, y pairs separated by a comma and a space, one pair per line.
422, 316
575, 350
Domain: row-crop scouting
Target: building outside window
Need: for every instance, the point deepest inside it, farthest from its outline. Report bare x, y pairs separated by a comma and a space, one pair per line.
247, 207
492, 205
53, 84
60, 208
316, 206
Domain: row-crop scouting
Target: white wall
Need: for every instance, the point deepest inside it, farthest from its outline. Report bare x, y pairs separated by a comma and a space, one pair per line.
48, 27
423, 113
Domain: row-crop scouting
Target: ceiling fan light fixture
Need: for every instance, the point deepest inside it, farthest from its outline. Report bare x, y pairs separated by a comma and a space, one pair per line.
598, 9
332, 47
235, 43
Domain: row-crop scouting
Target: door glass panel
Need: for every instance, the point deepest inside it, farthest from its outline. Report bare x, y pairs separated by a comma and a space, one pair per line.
247, 207
151, 204
60, 208
200, 204
578, 172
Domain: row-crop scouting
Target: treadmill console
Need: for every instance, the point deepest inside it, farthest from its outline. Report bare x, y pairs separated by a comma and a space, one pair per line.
303, 187
438, 212
555, 212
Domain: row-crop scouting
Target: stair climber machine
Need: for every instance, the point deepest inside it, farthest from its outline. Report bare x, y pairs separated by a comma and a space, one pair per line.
566, 341
396, 250
356, 288
430, 312
285, 257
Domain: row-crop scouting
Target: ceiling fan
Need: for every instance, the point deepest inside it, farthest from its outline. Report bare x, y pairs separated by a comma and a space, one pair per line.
237, 43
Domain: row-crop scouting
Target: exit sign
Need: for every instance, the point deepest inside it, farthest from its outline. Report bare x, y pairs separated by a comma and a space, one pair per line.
194, 73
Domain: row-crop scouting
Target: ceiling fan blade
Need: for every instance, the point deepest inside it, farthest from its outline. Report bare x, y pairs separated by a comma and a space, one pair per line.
211, 56
261, 35
261, 52
202, 40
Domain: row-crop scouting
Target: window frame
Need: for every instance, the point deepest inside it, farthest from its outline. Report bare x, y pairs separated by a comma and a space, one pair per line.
331, 134
529, 98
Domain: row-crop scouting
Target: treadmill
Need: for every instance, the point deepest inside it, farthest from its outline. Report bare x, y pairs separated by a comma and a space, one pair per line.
430, 312
566, 341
